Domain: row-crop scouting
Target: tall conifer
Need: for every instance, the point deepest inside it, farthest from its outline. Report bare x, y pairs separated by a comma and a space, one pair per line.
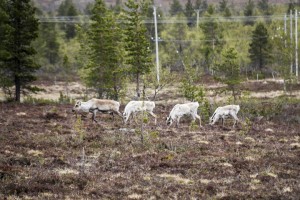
20, 65
137, 45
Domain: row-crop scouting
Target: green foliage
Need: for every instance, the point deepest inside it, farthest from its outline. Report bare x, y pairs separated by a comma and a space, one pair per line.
249, 12
193, 92
137, 45
38, 101
193, 126
189, 9
67, 8
47, 44
104, 69
79, 129
228, 71
175, 8
64, 98
223, 5
118, 7
201, 5
213, 39
265, 7
260, 47
18, 65
270, 108
166, 79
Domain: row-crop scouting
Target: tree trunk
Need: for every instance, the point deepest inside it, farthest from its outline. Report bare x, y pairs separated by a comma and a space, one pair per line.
138, 85
18, 89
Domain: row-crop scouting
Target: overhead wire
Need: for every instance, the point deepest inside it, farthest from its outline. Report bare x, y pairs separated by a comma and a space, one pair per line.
86, 19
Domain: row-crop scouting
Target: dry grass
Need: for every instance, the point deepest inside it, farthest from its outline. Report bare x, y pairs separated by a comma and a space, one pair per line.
45, 157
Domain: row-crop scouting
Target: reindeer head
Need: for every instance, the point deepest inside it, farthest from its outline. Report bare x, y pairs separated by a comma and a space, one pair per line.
169, 120
211, 119
77, 106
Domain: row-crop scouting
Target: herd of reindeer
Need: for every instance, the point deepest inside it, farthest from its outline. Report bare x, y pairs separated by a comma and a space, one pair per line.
179, 110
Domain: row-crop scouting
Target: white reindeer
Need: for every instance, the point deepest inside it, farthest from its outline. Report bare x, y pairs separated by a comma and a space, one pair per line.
223, 112
180, 110
138, 106
94, 105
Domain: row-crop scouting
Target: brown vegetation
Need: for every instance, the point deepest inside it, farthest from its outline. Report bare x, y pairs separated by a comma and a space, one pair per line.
48, 153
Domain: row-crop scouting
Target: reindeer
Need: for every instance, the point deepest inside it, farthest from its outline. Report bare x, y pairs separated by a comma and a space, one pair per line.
94, 105
180, 110
138, 106
223, 112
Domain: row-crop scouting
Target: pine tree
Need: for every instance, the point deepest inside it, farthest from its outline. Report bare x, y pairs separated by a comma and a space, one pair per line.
223, 5
20, 66
70, 27
228, 71
291, 7
47, 44
189, 9
265, 7
137, 45
223, 8
104, 70
260, 47
213, 39
118, 7
248, 12
200, 5
189, 12
175, 8
67, 8
5, 31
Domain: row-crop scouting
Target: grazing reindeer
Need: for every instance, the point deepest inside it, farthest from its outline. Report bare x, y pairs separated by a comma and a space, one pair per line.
223, 112
95, 105
180, 110
138, 106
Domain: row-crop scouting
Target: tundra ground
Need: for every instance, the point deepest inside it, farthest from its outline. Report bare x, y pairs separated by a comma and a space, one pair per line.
46, 153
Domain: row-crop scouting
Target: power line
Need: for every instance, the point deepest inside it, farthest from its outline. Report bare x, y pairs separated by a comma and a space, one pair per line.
86, 19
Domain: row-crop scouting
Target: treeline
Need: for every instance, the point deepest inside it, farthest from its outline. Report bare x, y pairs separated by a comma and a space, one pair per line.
117, 45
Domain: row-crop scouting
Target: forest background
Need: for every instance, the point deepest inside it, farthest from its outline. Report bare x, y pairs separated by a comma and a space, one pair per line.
230, 40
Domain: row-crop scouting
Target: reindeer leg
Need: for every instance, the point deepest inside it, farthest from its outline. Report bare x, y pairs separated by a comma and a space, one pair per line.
94, 116
151, 113
199, 117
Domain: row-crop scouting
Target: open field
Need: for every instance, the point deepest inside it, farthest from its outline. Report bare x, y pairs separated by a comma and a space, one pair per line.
47, 153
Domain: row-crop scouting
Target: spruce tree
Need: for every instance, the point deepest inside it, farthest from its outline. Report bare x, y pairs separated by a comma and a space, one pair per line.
189, 9
67, 8
47, 44
248, 12
137, 45
291, 7
104, 70
5, 31
264, 7
175, 8
189, 12
20, 65
228, 71
260, 47
223, 5
213, 39
200, 5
